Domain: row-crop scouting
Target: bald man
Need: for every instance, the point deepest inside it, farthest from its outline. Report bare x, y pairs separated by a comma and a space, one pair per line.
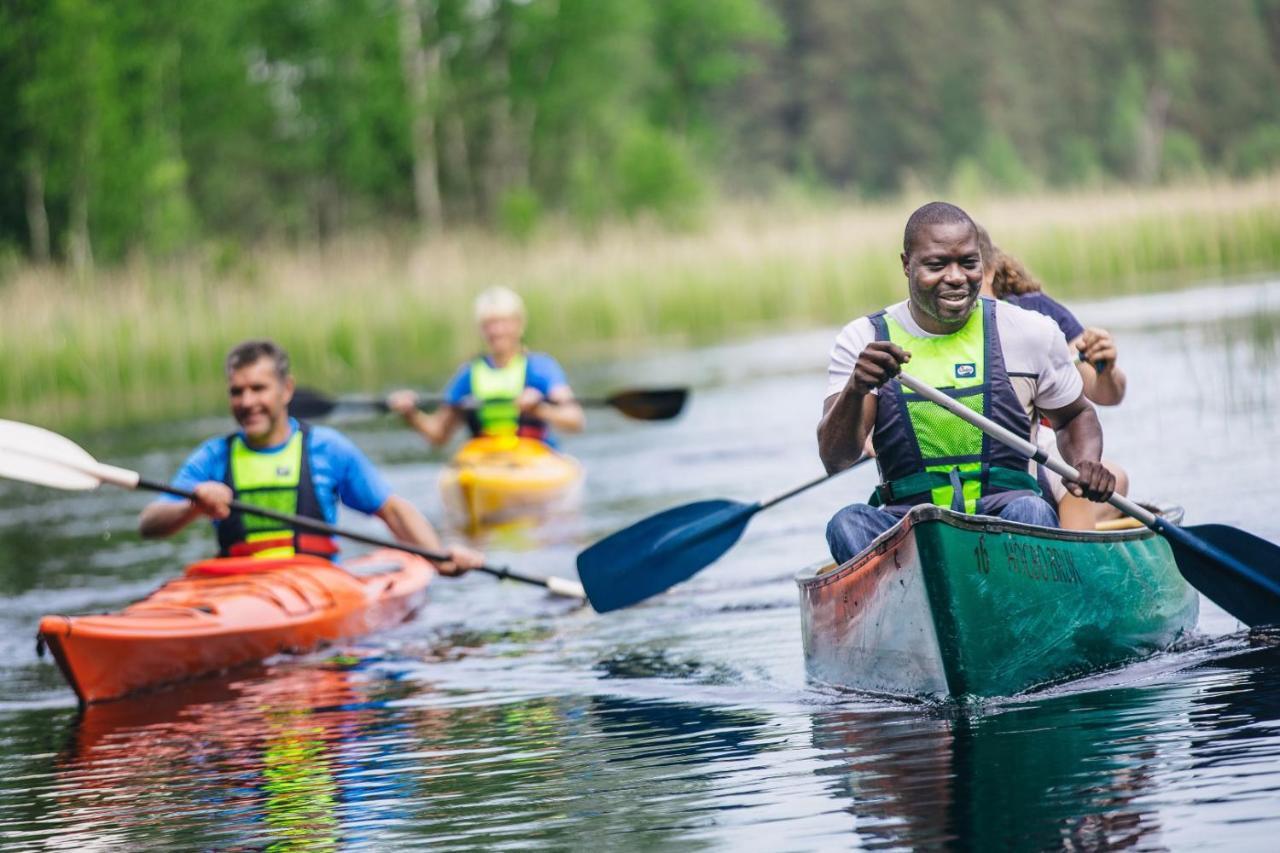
1006, 362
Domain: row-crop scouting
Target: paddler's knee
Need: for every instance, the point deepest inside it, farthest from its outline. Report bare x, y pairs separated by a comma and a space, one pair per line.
1030, 509
855, 527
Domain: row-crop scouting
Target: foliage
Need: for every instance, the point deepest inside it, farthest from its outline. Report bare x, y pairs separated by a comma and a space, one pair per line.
133, 127
146, 341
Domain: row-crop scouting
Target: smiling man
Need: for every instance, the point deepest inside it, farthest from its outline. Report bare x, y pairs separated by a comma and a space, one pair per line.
1010, 364
275, 462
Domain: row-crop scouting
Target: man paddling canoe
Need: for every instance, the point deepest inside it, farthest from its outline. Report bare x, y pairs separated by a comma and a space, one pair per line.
1004, 361
278, 463
505, 391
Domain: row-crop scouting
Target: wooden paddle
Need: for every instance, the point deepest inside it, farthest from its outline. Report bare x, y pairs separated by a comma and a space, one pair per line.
34, 455
653, 404
662, 550
1235, 569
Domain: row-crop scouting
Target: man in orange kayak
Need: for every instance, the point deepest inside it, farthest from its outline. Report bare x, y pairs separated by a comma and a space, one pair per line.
276, 462
506, 391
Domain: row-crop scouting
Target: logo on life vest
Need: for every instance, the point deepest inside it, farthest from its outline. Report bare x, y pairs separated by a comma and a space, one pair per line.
283, 470
966, 371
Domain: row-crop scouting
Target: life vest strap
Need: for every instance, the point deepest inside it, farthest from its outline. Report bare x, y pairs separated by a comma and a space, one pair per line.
998, 479
303, 543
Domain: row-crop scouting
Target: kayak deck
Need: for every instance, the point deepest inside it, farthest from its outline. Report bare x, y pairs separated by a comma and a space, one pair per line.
227, 612
495, 479
947, 605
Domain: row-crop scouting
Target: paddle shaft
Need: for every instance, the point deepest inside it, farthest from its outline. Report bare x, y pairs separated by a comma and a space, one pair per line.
431, 401
817, 481
127, 479
316, 526
1176, 535
1020, 444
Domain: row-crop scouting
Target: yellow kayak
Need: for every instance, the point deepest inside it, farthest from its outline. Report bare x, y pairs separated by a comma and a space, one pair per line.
496, 478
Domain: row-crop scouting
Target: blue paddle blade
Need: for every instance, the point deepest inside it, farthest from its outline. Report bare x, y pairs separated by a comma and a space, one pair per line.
1233, 568
657, 553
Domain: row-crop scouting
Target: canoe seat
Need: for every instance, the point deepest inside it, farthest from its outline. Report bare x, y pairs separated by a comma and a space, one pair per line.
250, 565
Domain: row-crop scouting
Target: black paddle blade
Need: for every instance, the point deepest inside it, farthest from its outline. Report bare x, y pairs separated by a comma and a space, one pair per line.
658, 404
657, 553
1233, 568
310, 403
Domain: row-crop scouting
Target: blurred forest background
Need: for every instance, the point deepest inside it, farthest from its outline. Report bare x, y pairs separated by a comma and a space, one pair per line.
344, 175
132, 125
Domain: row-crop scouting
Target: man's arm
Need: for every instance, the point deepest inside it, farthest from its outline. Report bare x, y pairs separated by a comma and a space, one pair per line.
1080, 441
410, 527
849, 416
165, 518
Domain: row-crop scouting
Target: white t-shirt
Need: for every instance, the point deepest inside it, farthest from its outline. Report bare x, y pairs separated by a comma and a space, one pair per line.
1036, 356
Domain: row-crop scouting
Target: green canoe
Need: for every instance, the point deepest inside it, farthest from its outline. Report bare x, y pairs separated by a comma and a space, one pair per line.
946, 604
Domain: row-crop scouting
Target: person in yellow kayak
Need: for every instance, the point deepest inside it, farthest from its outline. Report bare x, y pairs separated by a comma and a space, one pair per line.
506, 391
276, 462
1002, 360
1005, 278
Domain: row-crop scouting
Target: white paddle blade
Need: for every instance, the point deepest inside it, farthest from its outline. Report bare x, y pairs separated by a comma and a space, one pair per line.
34, 455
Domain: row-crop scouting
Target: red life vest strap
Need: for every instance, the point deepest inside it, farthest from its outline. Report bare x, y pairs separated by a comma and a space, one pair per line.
250, 565
307, 543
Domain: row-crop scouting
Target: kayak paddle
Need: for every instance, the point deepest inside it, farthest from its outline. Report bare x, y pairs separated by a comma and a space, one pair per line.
1235, 569
662, 550
652, 404
34, 455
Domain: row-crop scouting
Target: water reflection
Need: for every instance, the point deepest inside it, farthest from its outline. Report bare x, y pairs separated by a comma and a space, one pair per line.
1037, 778
273, 757
1078, 771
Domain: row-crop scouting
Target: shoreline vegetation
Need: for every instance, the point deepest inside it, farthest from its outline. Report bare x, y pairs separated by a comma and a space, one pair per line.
145, 341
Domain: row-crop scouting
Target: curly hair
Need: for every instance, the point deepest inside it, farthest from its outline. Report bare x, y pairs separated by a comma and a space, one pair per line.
1010, 276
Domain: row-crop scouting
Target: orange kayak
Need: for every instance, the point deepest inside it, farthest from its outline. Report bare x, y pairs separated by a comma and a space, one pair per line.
226, 612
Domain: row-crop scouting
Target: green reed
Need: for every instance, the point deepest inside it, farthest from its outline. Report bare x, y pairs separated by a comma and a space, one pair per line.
147, 341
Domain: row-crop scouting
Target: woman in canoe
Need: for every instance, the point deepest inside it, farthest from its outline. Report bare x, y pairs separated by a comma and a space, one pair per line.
1006, 279
505, 391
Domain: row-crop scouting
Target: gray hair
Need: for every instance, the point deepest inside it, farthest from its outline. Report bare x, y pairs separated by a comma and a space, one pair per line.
250, 352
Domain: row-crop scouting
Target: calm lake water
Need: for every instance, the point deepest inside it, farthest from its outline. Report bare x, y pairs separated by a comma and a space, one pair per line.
501, 718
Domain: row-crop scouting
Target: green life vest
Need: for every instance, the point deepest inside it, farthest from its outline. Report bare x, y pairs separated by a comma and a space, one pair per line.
496, 390
279, 481
927, 454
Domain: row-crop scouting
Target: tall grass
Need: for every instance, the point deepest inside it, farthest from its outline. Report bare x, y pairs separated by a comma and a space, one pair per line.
146, 341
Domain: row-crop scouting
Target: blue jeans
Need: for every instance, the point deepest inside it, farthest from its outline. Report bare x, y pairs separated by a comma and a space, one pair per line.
853, 528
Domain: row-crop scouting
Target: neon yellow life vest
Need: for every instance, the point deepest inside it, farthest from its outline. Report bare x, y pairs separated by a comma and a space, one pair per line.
927, 453
496, 390
279, 481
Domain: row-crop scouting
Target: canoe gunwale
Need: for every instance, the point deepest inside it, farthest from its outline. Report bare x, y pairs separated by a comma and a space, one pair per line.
823, 572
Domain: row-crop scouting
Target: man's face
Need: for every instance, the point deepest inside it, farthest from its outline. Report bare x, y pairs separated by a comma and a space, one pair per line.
944, 275
502, 334
259, 399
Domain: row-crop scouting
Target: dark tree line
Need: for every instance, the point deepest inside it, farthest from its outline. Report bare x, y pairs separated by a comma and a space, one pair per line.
151, 127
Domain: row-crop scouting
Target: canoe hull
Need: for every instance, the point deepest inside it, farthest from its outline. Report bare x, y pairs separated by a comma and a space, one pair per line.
948, 605
492, 480
217, 616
